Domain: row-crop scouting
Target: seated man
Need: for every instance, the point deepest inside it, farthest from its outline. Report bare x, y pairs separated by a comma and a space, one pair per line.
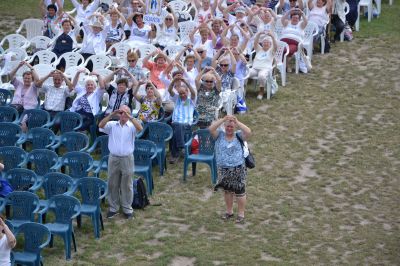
182, 117
56, 94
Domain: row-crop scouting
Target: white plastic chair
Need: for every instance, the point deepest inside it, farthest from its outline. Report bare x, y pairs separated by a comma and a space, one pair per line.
99, 62
43, 70
18, 54
72, 59
146, 49
185, 28
33, 27
40, 43
278, 29
104, 72
178, 6
280, 59
45, 57
173, 50
310, 31
228, 100
365, 3
15, 41
121, 51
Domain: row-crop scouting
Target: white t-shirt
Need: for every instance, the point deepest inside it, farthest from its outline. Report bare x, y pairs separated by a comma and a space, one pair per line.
5, 251
208, 45
141, 35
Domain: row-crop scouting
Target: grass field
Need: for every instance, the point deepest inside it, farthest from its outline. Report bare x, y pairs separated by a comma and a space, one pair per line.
326, 188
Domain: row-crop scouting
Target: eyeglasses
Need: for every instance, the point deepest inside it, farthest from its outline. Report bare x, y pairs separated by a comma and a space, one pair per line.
223, 65
208, 81
168, 19
130, 61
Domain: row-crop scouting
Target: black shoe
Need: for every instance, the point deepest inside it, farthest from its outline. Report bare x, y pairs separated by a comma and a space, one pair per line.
174, 160
128, 216
111, 214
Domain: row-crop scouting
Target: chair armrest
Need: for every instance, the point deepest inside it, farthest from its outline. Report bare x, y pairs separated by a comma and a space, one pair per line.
77, 213
141, 133
92, 148
22, 139
57, 166
48, 125
80, 124
43, 211
104, 193
85, 148
19, 29
2, 204
188, 145
90, 168
57, 145
38, 184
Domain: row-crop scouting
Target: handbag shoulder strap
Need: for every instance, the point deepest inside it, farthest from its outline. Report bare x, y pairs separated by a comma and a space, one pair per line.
239, 139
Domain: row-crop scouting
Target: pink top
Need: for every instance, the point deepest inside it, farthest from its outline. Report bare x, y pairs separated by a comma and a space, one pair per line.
155, 73
27, 97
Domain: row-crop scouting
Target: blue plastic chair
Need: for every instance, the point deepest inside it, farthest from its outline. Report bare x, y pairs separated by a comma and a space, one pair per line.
206, 154
67, 121
144, 153
35, 118
77, 164
65, 208
22, 179
99, 145
40, 138
2, 204
92, 190
36, 237
55, 184
5, 97
102, 165
160, 134
42, 161
12, 157
72, 141
23, 206
10, 133
8, 114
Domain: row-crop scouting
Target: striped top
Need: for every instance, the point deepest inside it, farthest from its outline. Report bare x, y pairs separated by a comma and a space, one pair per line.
183, 111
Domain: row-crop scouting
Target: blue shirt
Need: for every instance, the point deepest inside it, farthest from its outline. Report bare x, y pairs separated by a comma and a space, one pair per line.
228, 153
183, 111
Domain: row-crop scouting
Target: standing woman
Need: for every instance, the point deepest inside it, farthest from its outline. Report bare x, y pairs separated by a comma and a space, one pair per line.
7, 242
230, 163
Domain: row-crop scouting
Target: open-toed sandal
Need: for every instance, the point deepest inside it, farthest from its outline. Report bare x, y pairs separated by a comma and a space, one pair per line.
227, 216
239, 220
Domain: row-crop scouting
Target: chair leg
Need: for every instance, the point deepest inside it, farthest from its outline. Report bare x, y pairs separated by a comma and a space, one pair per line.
73, 240
79, 221
51, 241
194, 169
95, 223
101, 221
185, 166
67, 244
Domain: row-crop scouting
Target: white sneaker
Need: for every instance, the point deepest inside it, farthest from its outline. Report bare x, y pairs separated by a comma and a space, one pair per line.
259, 97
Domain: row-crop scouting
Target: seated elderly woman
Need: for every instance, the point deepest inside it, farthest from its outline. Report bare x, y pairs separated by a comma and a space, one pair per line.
319, 14
262, 63
123, 93
159, 64
224, 63
88, 99
208, 84
150, 103
293, 31
26, 92
202, 39
168, 31
140, 31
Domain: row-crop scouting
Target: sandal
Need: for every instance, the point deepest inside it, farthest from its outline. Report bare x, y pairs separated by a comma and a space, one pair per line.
227, 216
239, 220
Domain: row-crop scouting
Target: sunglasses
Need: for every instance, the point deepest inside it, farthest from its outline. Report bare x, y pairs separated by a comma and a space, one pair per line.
131, 61
223, 65
200, 52
209, 81
168, 19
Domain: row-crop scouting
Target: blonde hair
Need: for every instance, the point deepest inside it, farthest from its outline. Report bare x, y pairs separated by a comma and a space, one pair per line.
132, 54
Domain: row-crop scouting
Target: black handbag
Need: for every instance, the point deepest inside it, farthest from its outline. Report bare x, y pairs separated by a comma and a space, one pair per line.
249, 160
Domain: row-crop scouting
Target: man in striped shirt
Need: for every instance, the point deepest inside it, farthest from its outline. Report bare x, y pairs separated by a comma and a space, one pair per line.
182, 117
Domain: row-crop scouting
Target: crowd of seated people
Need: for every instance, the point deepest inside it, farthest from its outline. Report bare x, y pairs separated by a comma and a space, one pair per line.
228, 43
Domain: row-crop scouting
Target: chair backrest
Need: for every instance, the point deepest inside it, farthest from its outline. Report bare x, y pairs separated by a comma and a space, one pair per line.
77, 163
11, 156
121, 51
8, 114
19, 54
91, 189
42, 160
21, 179
178, 5
102, 143
184, 30
40, 42
33, 27
278, 29
68, 121
56, 183
24, 204
15, 41
158, 132
5, 97
43, 70
281, 51
144, 151
72, 59
173, 50
99, 61
45, 57
65, 208
146, 49
310, 30
74, 141
9, 133
40, 137
206, 141
35, 118
36, 237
